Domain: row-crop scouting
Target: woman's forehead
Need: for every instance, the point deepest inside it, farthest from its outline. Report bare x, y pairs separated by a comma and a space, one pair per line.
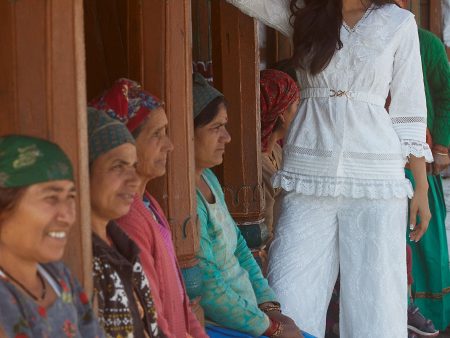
58, 186
125, 153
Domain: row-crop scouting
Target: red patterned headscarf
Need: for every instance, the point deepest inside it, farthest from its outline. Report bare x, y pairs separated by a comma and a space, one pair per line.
278, 91
127, 102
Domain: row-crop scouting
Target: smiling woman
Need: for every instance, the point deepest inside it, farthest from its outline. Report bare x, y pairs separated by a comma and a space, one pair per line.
122, 290
38, 297
144, 116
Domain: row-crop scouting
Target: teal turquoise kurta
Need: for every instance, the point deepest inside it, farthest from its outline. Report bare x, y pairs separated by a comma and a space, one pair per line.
233, 284
430, 255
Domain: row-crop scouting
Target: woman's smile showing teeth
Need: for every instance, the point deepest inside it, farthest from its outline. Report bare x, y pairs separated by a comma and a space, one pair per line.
57, 234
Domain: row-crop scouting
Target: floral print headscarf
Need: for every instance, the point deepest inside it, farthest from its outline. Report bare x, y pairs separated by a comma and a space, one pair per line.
127, 102
278, 91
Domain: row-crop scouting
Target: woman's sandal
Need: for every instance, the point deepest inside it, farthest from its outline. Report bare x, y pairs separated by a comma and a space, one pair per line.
417, 323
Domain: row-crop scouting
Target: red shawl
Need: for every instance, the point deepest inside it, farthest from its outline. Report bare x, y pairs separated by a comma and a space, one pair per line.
175, 317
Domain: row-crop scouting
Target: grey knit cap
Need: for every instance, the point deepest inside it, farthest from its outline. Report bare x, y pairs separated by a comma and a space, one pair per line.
204, 93
105, 134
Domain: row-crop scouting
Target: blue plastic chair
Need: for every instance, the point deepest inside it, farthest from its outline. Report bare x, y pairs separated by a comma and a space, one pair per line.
216, 331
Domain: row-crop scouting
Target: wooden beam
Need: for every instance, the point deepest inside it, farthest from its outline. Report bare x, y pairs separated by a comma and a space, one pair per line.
415, 9
436, 17
107, 40
42, 68
201, 15
167, 71
284, 47
236, 74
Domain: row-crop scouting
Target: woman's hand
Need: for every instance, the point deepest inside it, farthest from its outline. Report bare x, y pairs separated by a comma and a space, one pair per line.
419, 208
288, 327
441, 159
419, 203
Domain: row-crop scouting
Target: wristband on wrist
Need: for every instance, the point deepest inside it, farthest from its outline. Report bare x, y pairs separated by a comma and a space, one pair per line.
269, 307
273, 325
439, 150
279, 331
273, 329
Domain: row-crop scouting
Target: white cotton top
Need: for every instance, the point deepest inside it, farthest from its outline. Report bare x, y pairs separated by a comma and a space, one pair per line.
343, 142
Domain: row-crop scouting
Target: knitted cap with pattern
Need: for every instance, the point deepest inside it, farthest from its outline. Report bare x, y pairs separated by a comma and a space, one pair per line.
105, 134
203, 93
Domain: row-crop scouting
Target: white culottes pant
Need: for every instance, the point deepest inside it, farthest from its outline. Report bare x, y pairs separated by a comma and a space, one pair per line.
316, 237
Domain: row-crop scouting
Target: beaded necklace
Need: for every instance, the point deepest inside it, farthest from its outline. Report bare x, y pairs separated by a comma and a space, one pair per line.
44, 286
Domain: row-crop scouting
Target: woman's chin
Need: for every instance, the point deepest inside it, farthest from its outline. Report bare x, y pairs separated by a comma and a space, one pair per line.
120, 211
49, 257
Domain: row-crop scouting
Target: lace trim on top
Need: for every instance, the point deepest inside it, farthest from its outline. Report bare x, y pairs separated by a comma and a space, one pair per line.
409, 119
417, 149
342, 186
353, 29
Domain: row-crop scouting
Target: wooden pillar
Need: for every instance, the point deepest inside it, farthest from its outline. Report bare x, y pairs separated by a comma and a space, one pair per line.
42, 93
236, 74
278, 47
415, 9
284, 47
113, 42
167, 72
436, 18
269, 50
201, 17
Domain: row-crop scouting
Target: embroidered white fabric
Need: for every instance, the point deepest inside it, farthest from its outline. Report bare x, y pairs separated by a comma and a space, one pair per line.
417, 149
341, 186
342, 134
318, 236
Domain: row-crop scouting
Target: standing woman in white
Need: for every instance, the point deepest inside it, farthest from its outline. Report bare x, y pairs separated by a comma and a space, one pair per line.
345, 199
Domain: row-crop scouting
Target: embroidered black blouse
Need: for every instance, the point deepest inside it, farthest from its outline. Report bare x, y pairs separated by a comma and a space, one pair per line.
125, 304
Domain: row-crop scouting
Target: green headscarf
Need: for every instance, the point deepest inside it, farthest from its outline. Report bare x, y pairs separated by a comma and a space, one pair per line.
26, 160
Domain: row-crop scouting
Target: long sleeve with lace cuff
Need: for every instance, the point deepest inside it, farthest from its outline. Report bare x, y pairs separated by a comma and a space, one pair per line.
408, 109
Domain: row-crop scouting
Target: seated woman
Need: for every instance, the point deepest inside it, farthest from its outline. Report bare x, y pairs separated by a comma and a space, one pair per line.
122, 290
235, 294
145, 118
279, 99
39, 297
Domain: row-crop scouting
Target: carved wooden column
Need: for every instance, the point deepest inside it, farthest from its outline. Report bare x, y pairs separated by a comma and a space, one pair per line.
167, 72
42, 93
236, 74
